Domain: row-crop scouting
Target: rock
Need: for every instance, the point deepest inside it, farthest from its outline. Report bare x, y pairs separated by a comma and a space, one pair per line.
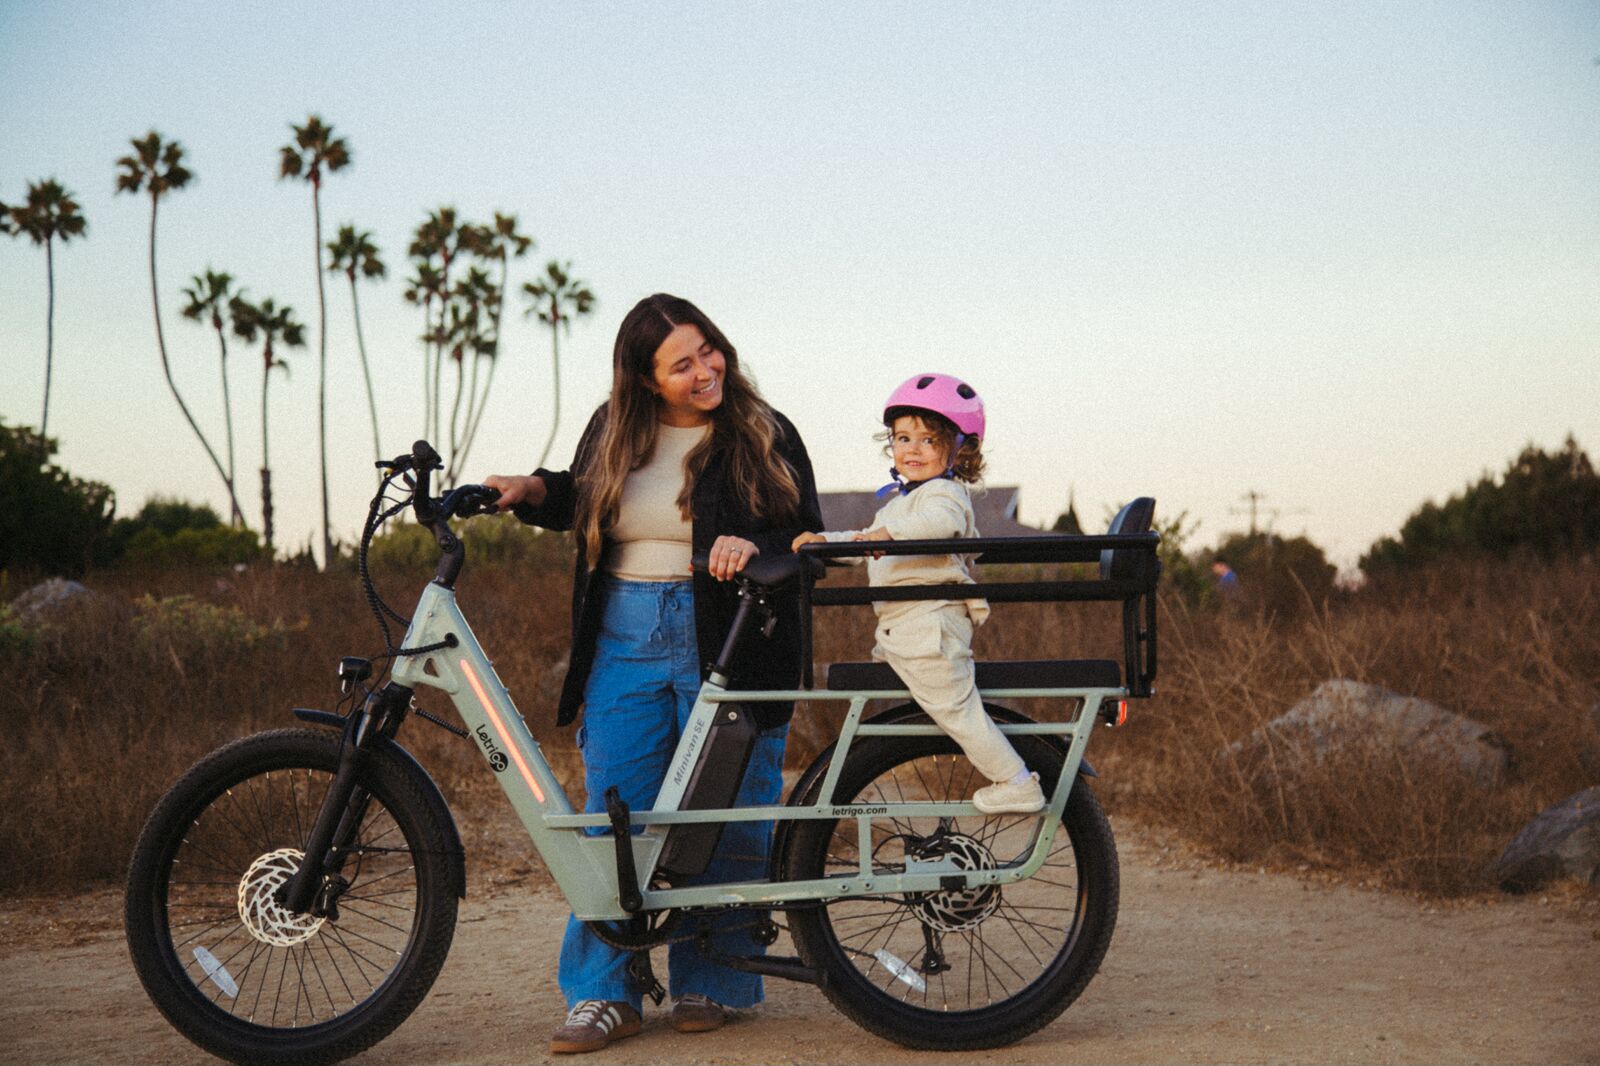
1563, 841
1342, 712
48, 599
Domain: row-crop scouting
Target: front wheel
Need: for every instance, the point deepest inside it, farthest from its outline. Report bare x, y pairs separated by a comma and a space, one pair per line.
245, 978
955, 970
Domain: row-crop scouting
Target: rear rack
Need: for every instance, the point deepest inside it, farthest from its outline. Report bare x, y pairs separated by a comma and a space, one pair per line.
1129, 570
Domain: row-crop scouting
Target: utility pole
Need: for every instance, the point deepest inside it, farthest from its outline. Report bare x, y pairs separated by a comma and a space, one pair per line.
1254, 498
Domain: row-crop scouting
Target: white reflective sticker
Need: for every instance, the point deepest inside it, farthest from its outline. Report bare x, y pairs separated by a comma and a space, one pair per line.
901, 970
217, 972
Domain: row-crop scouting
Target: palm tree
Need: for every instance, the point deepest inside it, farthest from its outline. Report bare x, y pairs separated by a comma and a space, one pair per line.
208, 295
156, 167
556, 298
500, 243
350, 251
475, 301
50, 212
315, 148
434, 247
274, 324
422, 290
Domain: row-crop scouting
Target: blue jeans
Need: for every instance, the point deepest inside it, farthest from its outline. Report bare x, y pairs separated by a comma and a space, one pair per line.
643, 685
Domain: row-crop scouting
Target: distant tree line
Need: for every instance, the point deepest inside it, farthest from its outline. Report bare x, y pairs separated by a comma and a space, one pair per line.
1545, 503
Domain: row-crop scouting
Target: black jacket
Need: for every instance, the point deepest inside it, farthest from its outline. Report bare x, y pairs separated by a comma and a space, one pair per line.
762, 663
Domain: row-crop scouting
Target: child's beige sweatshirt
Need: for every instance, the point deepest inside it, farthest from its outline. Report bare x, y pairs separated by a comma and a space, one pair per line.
936, 509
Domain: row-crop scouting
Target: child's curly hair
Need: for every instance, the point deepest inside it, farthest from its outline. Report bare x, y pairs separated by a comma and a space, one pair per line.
966, 462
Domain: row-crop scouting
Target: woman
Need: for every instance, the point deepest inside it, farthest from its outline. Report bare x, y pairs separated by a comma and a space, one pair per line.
685, 456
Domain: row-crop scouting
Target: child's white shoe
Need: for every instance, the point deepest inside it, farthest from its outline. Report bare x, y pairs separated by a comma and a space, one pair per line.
1010, 797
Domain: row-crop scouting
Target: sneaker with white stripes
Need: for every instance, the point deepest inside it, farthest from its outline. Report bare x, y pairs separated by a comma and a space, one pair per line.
592, 1024
1010, 797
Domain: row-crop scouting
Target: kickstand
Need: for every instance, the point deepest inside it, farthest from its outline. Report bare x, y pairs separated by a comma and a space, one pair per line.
622, 836
644, 975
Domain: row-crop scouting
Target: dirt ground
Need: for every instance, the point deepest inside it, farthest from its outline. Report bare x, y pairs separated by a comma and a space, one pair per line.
1208, 965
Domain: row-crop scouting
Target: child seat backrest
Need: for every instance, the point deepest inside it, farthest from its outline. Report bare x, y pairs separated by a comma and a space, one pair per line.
1135, 517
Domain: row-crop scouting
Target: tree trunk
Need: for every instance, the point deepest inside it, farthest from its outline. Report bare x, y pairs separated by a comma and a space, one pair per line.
366, 373
166, 367
49, 331
474, 417
266, 463
427, 362
227, 415
455, 418
555, 365
322, 376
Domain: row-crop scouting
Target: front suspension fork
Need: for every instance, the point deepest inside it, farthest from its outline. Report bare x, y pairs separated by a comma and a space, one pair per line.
345, 806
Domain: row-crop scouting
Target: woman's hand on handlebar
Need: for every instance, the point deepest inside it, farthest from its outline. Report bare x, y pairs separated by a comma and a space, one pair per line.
729, 556
517, 488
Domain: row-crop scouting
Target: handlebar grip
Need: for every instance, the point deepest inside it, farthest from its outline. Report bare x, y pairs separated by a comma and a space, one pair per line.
425, 458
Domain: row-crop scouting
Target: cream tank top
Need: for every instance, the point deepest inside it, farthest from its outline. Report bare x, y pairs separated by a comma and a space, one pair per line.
650, 540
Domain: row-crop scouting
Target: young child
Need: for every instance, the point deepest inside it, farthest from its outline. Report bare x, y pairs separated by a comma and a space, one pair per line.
935, 430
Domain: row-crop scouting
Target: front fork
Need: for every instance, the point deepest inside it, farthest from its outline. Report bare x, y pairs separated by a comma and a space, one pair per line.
316, 886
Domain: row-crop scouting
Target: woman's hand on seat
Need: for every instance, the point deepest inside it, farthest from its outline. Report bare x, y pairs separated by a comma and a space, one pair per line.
729, 556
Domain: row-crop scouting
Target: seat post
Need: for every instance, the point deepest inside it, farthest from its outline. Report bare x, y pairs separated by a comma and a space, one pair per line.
722, 670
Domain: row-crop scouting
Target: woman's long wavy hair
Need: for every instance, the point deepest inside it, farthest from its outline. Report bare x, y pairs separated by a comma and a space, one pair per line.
743, 426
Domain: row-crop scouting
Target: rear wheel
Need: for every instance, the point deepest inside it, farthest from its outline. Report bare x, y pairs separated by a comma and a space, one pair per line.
955, 970
245, 978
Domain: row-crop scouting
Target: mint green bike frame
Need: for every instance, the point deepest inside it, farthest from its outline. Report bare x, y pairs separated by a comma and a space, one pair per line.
585, 866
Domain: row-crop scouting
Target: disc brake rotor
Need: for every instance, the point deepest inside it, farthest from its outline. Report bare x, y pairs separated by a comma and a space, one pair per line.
956, 910
266, 919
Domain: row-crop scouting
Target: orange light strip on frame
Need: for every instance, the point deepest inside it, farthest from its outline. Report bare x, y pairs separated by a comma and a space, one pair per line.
499, 727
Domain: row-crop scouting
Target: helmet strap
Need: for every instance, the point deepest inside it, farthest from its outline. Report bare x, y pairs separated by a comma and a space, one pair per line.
898, 483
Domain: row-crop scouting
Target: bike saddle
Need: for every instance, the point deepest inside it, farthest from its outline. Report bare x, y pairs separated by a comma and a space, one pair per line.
770, 571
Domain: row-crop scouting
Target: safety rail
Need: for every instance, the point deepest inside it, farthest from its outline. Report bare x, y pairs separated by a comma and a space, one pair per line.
1129, 571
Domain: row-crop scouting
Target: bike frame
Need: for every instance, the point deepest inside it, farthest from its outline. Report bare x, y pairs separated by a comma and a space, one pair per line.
585, 866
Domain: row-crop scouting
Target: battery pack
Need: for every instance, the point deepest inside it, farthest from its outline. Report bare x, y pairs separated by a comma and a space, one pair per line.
713, 785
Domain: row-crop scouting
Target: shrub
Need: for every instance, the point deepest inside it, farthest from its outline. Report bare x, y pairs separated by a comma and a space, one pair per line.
218, 546
14, 636
1282, 576
1546, 503
409, 548
170, 533
49, 520
187, 627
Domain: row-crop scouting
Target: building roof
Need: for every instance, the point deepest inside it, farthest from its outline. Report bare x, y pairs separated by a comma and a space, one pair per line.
995, 508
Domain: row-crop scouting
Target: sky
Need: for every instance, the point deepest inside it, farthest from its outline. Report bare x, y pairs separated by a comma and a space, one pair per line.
1345, 256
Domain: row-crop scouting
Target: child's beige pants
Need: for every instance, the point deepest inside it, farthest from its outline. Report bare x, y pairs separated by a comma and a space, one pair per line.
932, 653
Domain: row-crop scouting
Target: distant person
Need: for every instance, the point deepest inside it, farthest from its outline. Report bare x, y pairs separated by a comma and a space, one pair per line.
935, 428
685, 456
1227, 580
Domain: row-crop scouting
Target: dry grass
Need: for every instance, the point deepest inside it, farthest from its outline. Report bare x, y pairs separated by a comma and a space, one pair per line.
106, 708
1515, 647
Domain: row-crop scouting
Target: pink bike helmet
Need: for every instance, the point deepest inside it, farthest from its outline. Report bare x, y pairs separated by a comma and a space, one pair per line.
941, 394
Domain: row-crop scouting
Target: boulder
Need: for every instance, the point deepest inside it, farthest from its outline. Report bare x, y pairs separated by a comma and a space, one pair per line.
47, 599
1563, 841
1342, 712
